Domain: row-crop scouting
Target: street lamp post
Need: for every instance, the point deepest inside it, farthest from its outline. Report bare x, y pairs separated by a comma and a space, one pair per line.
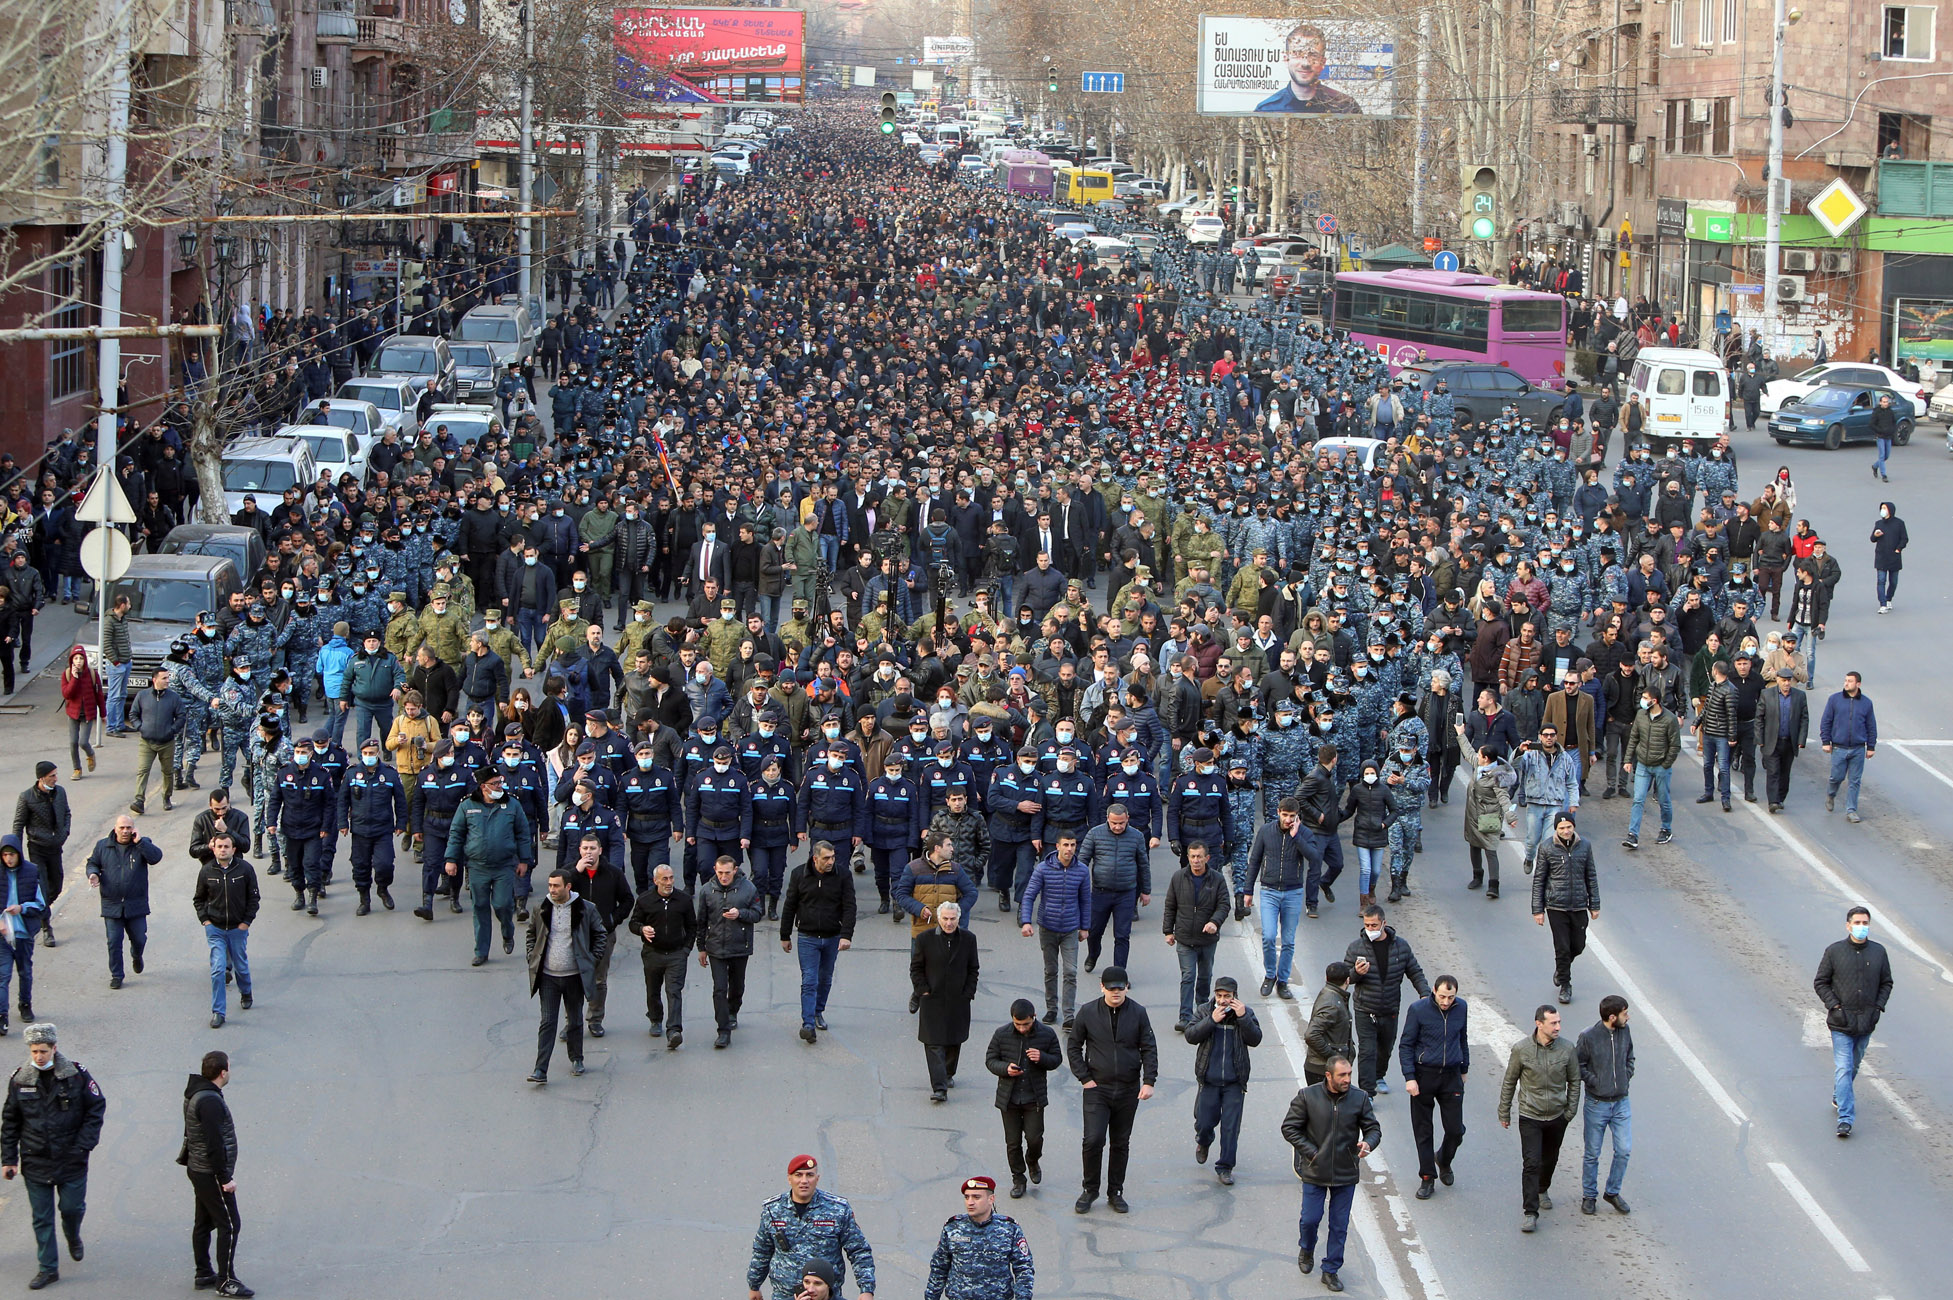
342, 191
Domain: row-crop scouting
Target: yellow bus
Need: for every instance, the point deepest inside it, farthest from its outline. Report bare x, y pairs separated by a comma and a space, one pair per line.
1081, 185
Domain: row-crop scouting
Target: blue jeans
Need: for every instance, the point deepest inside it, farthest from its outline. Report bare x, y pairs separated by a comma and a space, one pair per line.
769, 607
1370, 864
1602, 1118
1324, 855
831, 551
17, 954
1337, 1201
1281, 913
1715, 765
1888, 585
227, 955
1539, 821
137, 930
1006, 589
1644, 776
1196, 976
1118, 908
1806, 642
335, 721
1218, 1106
817, 956
367, 716
1847, 1054
118, 694
1847, 765
1884, 453
74, 1203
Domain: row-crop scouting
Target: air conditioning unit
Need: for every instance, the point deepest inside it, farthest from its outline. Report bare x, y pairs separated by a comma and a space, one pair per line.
1555, 231
1637, 154
1799, 259
1698, 110
1835, 263
321, 76
1569, 212
1790, 288
1590, 145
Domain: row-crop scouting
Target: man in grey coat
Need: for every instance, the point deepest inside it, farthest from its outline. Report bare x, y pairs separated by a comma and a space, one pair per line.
157, 716
563, 944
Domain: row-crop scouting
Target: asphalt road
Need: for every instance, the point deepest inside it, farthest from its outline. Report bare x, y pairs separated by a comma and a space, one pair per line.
390, 1142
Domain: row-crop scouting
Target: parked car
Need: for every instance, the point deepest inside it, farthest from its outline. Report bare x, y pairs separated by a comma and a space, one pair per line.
335, 450
1479, 391
1339, 448
393, 398
166, 593
242, 545
358, 417
423, 360
474, 372
1834, 414
1308, 290
1855, 374
509, 330
264, 468
1205, 230
465, 423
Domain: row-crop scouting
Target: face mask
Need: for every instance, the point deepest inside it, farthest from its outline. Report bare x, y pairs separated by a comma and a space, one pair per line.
303, 760
447, 760
529, 559
983, 736
511, 760
460, 735
45, 1065
834, 764
579, 584
718, 766
1860, 933
493, 796
244, 676
1027, 768
1369, 778
1644, 706
1406, 755
522, 706
1207, 769
832, 733
1372, 935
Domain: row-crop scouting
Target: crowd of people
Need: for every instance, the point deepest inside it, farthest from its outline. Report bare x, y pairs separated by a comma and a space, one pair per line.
975, 583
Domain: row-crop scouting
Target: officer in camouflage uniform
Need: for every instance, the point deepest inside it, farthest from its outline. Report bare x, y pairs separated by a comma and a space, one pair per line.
637, 633
444, 628
1203, 546
403, 635
419, 548
565, 636
270, 749
1567, 596
365, 610
802, 1224
981, 1254
461, 587
232, 708
1406, 779
254, 638
305, 634
1285, 751
205, 673
503, 641
798, 630
721, 639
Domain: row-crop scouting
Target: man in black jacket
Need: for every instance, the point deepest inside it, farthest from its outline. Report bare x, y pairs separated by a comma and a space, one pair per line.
821, 899
663, 917
1606, 1055
1854, 982
1436, 1056
209, 1155
220, 814
1332, 1126
226, 900
41, 821
604, 886
1020, 1054
1222, 1031
1320, 798
1381, 961
1114, 1055
52, 1119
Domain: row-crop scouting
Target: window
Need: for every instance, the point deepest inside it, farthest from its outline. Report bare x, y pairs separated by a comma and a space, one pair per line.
1909, 32
1533, 316
67, 358
1728, 21
1672, 383
1719, 126
1677, 20
1696, 126
1705, 23
1708, 383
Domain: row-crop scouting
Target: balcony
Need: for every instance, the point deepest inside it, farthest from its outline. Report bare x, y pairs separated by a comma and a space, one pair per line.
335, 23
378, 36
1915, 189
1594, 105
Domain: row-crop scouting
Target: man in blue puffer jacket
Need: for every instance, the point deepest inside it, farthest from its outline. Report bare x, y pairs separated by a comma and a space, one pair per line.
1056, 905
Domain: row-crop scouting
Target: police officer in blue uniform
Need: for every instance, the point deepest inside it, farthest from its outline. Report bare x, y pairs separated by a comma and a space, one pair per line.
893, 829
443, 784
945, 773
301, 810
1016, 825
1071, 803
776, 829
718, 816
649, 801
1196, 809
805, 1224
587, 816
372, 809
1131, 784
985, 752
833, 798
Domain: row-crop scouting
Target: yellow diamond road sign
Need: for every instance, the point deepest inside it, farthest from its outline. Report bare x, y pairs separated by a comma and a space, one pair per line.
1837, 207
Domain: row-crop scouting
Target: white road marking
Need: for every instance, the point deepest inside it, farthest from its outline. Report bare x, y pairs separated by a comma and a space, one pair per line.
1369, 1225
1646, 1011
1822, 1221
1887, 926
1903, 746
1923, 744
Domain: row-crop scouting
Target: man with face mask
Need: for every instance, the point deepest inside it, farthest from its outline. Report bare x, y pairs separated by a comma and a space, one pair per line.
302, 809
51, 1121
1854, 982
490, 833
719, 814
372, 809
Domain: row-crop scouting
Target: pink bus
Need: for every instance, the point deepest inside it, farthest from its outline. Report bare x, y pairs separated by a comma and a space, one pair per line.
1408, 315
1033, 180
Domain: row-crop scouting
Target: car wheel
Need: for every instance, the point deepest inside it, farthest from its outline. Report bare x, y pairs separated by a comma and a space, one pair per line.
1904, 433
1834, 437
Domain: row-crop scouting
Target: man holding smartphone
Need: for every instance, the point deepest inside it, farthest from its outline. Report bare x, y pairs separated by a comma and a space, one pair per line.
1222, 1032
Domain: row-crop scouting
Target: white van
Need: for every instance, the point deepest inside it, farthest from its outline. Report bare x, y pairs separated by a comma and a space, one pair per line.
1685, 390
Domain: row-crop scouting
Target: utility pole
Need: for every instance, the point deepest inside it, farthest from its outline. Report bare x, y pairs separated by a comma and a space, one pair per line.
115, 152
524, 240
1423, 98
1773, 208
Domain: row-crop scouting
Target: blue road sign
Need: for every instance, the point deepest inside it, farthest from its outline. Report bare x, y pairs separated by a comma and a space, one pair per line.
1102, 83
1445, 261
1326, 224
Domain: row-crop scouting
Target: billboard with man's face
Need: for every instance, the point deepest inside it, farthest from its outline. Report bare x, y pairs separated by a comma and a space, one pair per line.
1287, 67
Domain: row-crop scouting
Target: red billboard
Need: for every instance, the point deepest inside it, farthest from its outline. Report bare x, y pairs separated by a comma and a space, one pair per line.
737, 55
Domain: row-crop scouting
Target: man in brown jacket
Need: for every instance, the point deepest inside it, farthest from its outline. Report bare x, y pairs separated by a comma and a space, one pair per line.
1571, 710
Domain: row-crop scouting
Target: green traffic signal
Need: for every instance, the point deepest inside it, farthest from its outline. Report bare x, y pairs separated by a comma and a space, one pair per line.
888, 128
1483, 228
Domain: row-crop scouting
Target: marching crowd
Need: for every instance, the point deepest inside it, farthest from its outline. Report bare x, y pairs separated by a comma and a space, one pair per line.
987, 573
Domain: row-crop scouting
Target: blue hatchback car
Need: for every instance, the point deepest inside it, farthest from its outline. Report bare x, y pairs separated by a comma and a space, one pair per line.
1834, 414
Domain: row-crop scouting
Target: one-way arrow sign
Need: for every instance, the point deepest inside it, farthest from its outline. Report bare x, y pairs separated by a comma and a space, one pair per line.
106, 502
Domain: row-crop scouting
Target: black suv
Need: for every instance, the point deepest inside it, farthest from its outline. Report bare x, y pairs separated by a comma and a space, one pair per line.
1480, 391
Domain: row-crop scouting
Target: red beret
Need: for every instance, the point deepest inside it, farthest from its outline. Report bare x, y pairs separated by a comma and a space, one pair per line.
983, 1181
799, 1163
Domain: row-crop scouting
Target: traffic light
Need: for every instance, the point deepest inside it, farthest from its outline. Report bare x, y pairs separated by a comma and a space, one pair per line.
1478, 208
888, 112
1051, 78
